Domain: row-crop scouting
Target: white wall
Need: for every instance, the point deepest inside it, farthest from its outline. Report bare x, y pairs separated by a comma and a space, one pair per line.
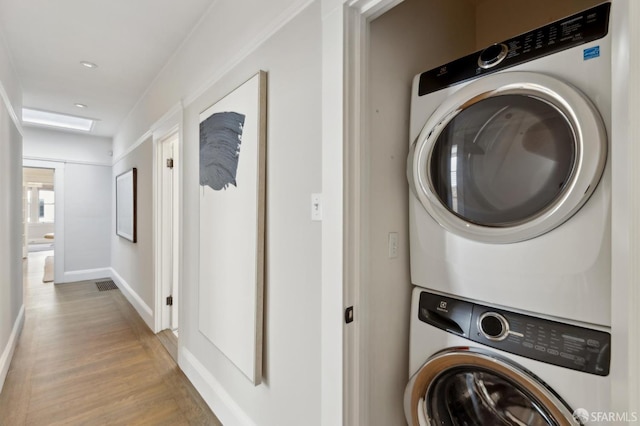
133, 262
225, 35
11, 294
87, 218
10, 90
290, 392
52, 145
85, 192
402, 45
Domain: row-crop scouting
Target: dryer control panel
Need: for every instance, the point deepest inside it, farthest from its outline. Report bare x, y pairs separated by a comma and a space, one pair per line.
581, 28
553, 342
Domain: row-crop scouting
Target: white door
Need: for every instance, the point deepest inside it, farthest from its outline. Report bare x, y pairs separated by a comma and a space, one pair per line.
508, 157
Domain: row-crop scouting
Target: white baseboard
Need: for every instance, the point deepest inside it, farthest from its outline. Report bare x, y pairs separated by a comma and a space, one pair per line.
214, 394
136, 301
86, 274
7, 354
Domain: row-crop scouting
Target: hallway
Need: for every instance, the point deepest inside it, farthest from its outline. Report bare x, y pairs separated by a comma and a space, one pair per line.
86, 357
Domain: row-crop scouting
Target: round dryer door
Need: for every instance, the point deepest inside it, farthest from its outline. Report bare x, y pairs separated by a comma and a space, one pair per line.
468, 386
508, 157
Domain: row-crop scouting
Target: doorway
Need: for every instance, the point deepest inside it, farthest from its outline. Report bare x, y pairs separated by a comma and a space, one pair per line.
39, 218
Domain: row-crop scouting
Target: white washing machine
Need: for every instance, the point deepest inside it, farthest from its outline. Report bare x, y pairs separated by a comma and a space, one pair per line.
509, 176
476, 364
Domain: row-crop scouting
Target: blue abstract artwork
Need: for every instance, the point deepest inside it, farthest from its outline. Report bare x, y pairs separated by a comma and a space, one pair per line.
220, 139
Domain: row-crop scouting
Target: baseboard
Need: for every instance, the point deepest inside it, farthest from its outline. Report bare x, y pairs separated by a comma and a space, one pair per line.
214, 394
136, 301
7, 354
86, 275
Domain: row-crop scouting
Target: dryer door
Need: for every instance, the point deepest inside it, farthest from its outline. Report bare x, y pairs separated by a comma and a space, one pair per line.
508, 157
468, 386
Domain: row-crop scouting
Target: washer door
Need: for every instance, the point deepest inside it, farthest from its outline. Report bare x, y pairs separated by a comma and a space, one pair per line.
508, 157
469, 386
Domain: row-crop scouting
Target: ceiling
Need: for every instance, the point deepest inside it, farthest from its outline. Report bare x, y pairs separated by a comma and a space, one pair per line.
129, 40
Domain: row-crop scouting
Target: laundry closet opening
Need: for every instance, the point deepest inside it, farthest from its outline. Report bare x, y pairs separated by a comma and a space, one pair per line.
413, 37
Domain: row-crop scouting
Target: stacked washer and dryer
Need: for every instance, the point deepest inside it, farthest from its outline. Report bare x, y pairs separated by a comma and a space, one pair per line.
510, 232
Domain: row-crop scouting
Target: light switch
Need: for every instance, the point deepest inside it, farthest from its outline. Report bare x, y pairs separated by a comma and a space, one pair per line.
316, 207
393, 245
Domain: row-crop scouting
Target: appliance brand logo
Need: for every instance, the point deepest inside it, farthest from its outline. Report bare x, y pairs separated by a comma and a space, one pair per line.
443, 306
443, 71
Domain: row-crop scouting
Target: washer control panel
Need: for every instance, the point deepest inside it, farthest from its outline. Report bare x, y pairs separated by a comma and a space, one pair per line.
575, 30
553, 342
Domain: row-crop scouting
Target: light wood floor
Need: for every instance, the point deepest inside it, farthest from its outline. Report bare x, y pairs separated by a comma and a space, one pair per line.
86, 358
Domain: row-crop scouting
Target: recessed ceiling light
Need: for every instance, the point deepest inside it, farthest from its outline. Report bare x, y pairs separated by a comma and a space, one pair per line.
54, 119
80, 105
88, 64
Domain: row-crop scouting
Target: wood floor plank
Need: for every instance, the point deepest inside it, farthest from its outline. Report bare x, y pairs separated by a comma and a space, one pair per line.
86, 357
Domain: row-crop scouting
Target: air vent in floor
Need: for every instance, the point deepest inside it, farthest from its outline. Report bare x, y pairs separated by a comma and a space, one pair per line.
106, 285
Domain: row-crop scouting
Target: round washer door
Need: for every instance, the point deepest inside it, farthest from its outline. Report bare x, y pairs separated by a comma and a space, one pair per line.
508, 157
469, 386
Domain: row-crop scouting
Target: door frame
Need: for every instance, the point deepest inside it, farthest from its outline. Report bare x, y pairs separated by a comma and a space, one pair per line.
352, 61
625, 198
58, 188
168, 280
166, 128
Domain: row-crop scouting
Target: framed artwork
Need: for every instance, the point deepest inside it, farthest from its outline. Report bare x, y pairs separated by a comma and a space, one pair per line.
126, 205
232, 224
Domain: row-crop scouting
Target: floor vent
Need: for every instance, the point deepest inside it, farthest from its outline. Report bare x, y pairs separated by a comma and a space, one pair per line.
106, 285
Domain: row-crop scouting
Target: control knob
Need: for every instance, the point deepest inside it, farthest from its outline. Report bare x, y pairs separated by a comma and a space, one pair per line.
493, 326
492, 55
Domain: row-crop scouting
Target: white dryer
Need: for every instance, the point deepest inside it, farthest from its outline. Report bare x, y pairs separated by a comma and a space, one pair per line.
509, 174
476, 364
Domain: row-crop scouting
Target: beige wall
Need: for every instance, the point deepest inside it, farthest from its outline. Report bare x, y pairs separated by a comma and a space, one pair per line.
409, 39
497, 20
